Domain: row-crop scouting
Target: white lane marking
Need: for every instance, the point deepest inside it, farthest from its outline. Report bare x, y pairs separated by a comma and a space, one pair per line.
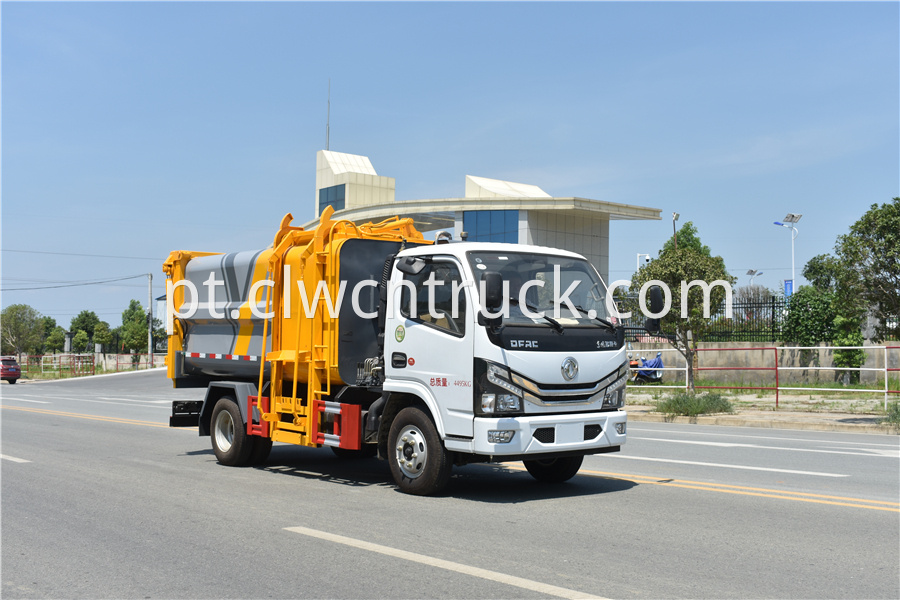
763, 437
25, 400
13, 459
707, 464
90, 377
884, 453
130, 404
134, 400
527, 584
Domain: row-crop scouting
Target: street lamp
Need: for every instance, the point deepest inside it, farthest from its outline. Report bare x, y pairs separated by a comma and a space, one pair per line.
789, 222
753, 273
646, 260
675, 216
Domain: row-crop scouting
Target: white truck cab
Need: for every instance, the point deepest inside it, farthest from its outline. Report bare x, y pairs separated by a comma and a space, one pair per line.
511, 349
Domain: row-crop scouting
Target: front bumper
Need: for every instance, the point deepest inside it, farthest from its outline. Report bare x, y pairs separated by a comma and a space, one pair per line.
550, 434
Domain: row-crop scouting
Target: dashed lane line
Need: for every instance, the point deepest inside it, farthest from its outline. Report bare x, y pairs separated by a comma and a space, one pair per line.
519, 582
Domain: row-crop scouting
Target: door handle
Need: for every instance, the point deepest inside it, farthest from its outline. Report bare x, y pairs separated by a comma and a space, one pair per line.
398, 360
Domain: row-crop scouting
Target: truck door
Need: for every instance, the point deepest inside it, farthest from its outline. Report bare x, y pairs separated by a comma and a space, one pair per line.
428, 347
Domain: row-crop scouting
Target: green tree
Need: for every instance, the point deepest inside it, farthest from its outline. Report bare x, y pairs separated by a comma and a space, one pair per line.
21, 329
49, 326
810, 317
847, 332
688, 238
134, 327
869, 258
102, 335
823, 272
691, 262
86, 321
56, 341
81, 341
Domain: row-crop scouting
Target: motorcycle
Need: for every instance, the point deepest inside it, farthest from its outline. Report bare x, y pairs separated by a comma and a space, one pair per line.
646, 371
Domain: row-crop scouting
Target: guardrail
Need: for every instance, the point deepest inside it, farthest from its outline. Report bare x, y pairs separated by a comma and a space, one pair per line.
776, 351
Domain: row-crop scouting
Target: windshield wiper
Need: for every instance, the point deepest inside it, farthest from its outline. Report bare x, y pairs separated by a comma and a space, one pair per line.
600, 320
553, 322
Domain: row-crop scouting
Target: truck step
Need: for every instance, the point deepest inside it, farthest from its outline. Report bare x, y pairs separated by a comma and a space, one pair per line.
261, 428
346, 432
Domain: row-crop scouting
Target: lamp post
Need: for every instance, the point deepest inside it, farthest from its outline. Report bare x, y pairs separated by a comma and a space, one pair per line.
638, 266
789, 222
753, 273
675, 216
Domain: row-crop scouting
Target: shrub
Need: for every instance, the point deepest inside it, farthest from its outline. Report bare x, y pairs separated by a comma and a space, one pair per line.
689, 405
893, 414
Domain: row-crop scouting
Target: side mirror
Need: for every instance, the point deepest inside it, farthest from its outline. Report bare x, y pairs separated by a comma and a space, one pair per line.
493, 291
656, 307
656, 299
411, 265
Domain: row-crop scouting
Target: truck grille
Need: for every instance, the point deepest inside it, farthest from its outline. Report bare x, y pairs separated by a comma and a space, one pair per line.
545, 435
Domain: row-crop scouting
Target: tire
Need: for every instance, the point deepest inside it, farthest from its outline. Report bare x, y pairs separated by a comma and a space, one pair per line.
367, 451
554, 470
419, 462
12, 381
229, 437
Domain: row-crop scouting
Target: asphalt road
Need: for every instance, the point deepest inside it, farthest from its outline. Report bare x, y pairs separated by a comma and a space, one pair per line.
101, 500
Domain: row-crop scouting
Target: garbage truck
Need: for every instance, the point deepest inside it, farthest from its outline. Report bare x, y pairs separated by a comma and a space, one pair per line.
374, 341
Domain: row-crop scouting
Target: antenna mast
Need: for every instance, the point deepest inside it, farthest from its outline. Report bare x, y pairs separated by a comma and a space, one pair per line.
328, 118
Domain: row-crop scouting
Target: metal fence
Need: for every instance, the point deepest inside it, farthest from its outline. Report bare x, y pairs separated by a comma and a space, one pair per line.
731, 360
750, 322
57, 366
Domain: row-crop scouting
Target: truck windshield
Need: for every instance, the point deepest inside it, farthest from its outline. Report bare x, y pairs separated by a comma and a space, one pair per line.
567, 289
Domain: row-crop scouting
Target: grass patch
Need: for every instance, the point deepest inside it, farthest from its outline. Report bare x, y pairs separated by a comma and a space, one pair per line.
690, 405
893, 414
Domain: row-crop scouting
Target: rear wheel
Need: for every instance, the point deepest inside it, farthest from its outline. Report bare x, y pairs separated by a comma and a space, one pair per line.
12, 380
554, 470
230, 441
419, 462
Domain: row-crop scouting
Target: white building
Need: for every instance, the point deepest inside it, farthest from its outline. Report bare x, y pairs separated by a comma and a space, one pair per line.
490, 211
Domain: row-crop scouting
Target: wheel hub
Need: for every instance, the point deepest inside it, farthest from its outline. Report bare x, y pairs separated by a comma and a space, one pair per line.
411, 451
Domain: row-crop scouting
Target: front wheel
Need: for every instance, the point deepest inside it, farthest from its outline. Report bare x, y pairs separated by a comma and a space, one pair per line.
419, 462
554, 470
230, 441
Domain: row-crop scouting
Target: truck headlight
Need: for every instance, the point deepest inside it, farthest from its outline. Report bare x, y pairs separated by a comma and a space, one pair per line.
615, 394
500, 403
495, 394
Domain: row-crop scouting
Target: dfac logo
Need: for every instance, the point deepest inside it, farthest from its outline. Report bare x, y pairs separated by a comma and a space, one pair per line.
570, 368
523, 344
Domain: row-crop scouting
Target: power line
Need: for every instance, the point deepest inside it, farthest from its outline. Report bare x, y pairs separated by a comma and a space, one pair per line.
75, 254
50, 287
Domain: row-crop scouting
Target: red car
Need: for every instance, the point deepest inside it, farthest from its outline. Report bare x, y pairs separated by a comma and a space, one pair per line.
9, 369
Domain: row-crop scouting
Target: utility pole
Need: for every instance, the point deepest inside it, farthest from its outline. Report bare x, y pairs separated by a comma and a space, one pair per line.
150, 319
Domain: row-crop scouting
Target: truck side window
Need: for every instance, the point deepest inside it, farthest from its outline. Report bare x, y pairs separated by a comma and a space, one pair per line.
451, 315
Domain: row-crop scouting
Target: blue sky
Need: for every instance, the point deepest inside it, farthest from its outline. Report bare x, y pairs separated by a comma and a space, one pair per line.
133, 129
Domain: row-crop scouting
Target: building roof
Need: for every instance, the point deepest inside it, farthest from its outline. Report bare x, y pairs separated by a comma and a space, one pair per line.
440, 213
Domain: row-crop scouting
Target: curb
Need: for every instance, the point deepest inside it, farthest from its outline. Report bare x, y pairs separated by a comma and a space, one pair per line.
778, 423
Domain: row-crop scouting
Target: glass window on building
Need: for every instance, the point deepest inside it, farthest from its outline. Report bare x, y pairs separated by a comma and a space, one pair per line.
492, 225
333, 196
